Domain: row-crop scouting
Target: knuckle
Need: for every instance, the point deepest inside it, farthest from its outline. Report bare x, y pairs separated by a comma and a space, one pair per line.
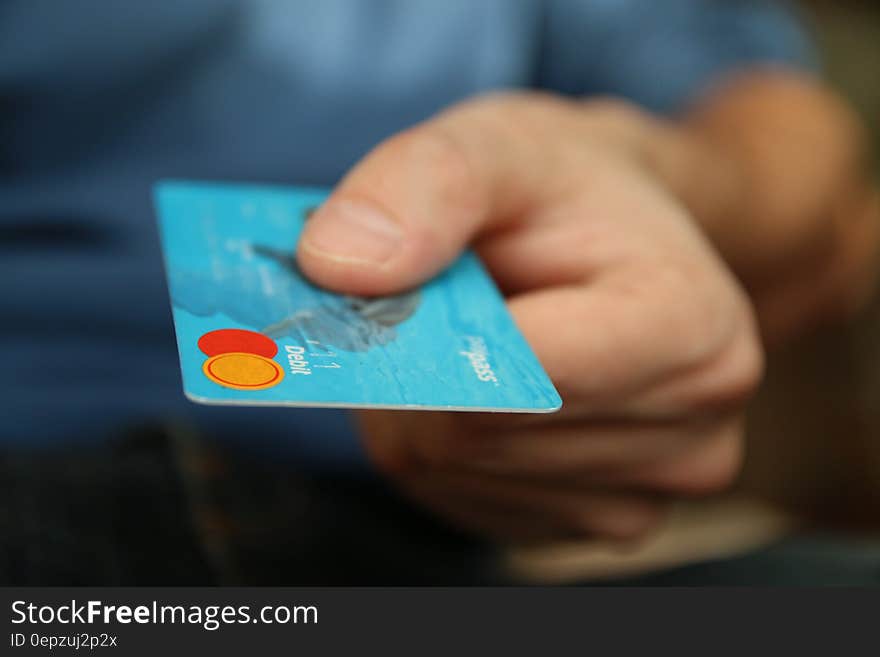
730, 379
436, 154
399, 445
710, 336
614, 118
714, 470
493, 101
707, 320
618, 521
521, 117
691, 320
614, 108
743, 371
633, 526
521, 105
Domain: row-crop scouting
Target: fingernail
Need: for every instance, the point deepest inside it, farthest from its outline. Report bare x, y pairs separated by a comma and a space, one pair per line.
350, 231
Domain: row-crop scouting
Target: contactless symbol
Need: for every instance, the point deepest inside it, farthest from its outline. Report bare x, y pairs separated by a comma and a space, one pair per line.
241, 360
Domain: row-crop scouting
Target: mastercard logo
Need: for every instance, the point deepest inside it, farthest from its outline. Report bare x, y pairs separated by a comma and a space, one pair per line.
241, 360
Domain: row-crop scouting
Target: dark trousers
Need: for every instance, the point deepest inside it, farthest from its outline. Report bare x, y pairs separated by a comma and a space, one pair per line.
155, 509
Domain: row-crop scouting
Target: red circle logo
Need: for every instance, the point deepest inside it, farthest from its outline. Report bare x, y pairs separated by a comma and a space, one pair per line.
224, 341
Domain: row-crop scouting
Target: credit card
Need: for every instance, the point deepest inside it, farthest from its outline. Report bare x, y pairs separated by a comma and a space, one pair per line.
252, 330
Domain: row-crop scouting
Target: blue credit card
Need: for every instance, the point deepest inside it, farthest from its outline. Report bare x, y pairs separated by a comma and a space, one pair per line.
251, 330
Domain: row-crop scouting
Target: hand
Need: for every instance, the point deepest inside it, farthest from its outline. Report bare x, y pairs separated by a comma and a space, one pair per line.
645, 333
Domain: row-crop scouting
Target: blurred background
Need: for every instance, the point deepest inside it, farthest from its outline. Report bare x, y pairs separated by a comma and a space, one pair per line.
163, 506
823, 394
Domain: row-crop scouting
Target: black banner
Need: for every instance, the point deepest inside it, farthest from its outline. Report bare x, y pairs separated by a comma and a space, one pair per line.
419, 621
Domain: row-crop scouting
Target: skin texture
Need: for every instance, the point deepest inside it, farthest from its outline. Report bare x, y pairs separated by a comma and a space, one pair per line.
633, 252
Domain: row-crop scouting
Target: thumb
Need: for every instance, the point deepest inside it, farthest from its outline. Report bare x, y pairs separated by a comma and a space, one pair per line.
410, 206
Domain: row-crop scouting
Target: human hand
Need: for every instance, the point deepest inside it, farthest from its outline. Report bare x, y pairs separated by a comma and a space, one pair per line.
647, 336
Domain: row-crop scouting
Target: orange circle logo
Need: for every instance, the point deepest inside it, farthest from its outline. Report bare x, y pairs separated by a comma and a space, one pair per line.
241, 360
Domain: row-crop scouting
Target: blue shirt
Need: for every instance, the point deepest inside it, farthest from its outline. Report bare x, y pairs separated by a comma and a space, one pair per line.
100, 98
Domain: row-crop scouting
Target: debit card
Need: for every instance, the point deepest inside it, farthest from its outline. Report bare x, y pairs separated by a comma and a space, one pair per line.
252, 330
